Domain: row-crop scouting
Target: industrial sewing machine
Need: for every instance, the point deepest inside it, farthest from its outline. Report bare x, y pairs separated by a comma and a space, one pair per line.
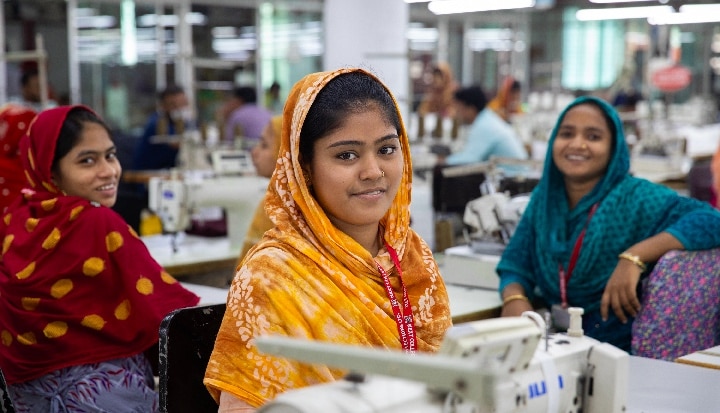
499, 365
492, 220
174, 199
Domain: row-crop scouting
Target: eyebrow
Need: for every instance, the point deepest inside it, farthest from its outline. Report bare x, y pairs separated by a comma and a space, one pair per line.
590, 128
91, 152
360, 143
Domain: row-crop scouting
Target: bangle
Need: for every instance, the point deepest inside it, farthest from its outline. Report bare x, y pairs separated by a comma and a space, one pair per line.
514, 297
633, 259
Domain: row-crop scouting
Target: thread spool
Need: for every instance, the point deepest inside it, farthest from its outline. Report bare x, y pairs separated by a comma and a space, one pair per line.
575, 329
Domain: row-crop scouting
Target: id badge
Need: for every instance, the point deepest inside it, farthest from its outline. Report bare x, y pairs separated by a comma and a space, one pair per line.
560, 317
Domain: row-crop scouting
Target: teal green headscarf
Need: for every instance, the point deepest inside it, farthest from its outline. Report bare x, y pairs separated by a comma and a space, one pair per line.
551, 193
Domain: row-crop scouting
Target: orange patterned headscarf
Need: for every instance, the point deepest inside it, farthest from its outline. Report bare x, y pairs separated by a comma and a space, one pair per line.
307, 279
77, 285
276, 127
501, 103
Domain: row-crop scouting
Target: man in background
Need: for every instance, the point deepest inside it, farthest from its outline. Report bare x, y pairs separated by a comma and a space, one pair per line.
30, 96
243, 119
489, 135
158, 146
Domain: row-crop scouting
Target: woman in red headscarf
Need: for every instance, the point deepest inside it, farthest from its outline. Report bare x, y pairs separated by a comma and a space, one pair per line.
82, 299
14, 122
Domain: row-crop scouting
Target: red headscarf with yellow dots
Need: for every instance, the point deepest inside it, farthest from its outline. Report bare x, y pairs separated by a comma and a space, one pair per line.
14, 122
77, 285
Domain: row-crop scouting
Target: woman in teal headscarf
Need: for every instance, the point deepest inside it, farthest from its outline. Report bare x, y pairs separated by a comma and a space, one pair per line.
591, 229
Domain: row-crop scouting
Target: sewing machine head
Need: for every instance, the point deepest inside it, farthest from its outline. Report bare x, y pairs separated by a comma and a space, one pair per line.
496, 365
175, 199
492, 220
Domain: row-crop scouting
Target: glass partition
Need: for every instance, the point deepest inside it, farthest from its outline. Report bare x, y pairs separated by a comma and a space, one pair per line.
128, 50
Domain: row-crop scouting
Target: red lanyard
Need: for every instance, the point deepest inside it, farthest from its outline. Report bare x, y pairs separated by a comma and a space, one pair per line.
403, 318
565, 276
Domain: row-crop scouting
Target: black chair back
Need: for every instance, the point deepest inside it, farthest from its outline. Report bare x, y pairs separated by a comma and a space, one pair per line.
6, 405
187, 338
451, 194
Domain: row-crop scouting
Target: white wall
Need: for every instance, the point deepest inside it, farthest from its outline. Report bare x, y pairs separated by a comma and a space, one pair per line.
370, 34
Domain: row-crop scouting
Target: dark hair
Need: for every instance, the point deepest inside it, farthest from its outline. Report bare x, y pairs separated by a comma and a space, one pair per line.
27, 76
169, 91
246, 94
471, 96
70, 132
348, 94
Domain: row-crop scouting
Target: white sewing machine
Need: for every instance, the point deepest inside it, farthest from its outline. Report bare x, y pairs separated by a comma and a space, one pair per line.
492, 220
174, 199
497, 365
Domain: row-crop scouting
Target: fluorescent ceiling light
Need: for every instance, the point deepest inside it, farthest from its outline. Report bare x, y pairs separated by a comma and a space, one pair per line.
416, 1
95, 22
169, 20
689, 14
700, 8
621, 1
469, 6
622, 13
426, 34
684, 18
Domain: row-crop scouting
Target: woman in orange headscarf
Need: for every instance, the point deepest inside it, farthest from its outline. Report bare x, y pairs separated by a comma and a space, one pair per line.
339, 199
264, 156
14, 122
507, 101
82, 299
438, 99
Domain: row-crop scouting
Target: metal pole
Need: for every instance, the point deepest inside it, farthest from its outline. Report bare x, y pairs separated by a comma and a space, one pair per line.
467, 54
160, 68
184, 69
443, 39
42, 70
3, 64
73, 59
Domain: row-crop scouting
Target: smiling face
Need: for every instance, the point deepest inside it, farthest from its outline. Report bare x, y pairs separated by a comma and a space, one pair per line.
347, 170
91, 169
583, 145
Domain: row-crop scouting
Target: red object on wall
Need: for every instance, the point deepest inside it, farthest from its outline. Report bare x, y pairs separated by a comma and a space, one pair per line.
671, 79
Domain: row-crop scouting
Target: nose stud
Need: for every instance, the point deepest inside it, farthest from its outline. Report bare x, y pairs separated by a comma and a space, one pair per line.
383, 173
584, 146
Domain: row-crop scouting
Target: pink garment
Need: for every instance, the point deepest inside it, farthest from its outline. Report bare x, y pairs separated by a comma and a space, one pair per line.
680, 312
250, 119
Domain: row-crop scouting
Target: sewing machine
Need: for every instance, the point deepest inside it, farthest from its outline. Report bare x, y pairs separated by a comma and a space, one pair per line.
496, 365
492, 220
175, 198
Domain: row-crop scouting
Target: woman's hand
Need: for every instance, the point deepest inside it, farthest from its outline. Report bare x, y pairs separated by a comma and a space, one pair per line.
515, 308
515, 301
620, 292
